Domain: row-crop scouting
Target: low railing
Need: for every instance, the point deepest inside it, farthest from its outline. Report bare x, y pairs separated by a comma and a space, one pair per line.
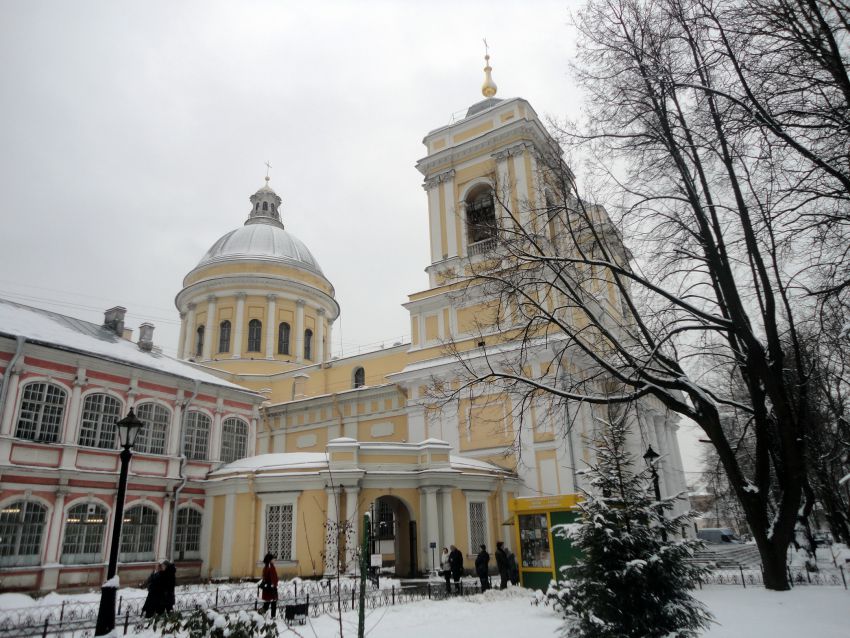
73, 619
755, 578
481, 247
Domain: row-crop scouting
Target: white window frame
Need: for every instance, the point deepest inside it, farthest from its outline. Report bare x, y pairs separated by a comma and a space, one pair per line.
20, 527
484, 499
234, 438
282, 498
94, 424
85, 558
190, 555
185, 448
146, 431
38, 421
137, 556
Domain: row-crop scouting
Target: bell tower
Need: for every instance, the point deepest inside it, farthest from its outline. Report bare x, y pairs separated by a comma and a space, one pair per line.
475, 169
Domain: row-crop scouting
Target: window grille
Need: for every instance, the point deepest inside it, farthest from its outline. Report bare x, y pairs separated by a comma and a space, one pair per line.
224, 336
42, 410
308, 344
283, 338
386, 521
138, 534
84, 528
359, 378
187, 543
152, 437
196, 436
199, 342
255, 335
279, 531
100, 413
477, 525
234, 440
21, 528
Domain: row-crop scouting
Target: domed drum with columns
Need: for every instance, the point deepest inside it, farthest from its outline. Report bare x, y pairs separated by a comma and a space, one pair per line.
257, 294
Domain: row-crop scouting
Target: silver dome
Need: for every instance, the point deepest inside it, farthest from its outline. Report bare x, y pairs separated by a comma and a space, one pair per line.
263, 241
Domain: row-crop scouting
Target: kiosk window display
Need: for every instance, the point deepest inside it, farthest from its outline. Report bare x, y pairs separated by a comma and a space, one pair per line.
534, 540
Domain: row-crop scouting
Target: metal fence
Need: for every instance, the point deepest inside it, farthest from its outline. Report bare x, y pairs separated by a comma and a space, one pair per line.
755, 578
74, 619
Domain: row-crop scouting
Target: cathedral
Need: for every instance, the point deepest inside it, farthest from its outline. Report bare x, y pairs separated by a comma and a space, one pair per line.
323, 440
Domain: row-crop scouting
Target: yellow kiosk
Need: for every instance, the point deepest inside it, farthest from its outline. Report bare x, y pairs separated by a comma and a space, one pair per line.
540, 552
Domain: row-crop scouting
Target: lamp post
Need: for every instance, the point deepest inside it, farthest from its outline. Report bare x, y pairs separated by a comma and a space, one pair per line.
128, 429
651, 456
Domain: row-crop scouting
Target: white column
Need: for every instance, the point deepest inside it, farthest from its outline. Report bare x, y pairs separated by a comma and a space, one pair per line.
663, 464
431, 524
521, 187
188, 343
271, 323
329, 338
448, 191
448, 518
431, 187
72, 425
299, 330
181, 340
320, 335
331, 533
52, 553
227, 539
209, 332
240, 324
353, 518
173, 443
206, 534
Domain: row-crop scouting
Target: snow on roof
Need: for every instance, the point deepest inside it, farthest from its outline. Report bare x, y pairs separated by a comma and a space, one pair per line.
276, 461
68, 333
463, 461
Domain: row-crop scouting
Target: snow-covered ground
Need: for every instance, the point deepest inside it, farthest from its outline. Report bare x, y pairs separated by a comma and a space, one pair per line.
819, 612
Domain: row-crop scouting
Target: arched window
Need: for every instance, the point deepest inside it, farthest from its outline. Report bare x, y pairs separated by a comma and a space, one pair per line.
265, 205
84, 528
257, 206
234, 440
100, 413
283, 338
480, 215
138, 533
255, 335
199, 342
42, 409
224, 336
21, 529
308, 344
359, 377
196, 436
187, 542
151, 438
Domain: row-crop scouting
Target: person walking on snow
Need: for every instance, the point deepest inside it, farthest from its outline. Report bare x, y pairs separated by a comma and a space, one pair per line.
503, 564
445, 568
456, 566
268, 585
482, 568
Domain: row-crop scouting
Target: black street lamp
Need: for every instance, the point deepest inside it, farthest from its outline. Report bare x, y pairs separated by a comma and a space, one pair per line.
651, 456
128, 429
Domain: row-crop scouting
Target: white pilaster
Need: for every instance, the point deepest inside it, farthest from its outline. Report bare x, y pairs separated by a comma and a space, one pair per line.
72, 425
448, 518
11, 379
271, 323
209, 331
215, 435
164, 528
240, 325
227, 539
433, 190
332, 531
353, 518
431, 524
320, 335
174, 431
51, 554
299, 330
448, 191
189, 337
521, 189
181, 340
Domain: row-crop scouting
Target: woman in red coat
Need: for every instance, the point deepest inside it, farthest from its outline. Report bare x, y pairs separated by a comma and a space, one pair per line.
268, 585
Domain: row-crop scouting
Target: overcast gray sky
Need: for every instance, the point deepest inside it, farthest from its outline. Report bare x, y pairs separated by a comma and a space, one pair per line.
133, 133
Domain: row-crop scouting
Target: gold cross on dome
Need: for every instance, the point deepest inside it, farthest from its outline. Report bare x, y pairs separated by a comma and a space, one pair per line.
268, 168
486, 47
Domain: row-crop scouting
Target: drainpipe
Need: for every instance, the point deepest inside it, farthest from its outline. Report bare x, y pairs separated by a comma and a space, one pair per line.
180, 472
4, 388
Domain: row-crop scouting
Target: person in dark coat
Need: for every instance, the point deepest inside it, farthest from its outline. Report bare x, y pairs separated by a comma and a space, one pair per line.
268, 586
445, 568
456, 566
503, 564
169, 582
155, 601
482, 568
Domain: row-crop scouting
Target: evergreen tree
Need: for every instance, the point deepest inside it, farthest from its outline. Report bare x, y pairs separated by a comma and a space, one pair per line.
630, 582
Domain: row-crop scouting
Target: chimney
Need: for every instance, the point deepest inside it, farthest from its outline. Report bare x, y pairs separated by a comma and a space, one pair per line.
113, 320
146, 337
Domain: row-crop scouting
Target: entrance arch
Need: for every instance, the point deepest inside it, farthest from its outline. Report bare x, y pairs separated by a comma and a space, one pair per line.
394, 533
